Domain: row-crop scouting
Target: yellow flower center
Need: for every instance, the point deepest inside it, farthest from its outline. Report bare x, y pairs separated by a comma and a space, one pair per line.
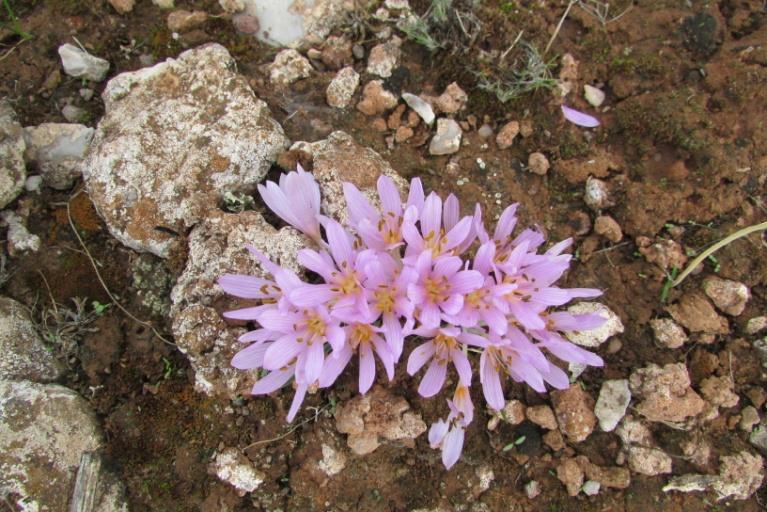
436, 288
361, 334
384, 297
316, 326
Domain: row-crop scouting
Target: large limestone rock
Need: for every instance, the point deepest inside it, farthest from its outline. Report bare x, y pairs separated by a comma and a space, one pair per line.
22, 353
175, 137
13, 173
340, 159
45, 432
216, 247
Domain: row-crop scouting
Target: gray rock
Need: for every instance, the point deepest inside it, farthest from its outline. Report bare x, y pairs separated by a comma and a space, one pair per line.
740, 475
614, 398
384, 58
81, 64
19, 238
289, 66
421, 107
45, 429
758, 437
57, 150
447, 139
597, 195
13, 173
668, 333
174, 139
235, 468
163, 4
341, 89
729, 296
756, 325
594, 337
23, 355
217, 246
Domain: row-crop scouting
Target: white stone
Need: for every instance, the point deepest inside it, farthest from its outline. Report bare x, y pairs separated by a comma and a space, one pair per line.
45, 429
291, 23
594, 96
596, 195
234, 468
341, 89
532, 489
174, 139
289, 66
591, 488
756, 325
13, 172
333, 461
57, 149
447, 139
594, 337
81, 64
614, 399
421, 107
33, 183
19, 238
668, 333
163, 4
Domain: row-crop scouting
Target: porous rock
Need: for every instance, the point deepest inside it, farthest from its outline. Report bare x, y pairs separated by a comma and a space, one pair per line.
184, 21
19, 238
289, 66
697, 314
729, 296
377, 417
665, 393
384, 58
740, 475
597, 194
122, 6
574, 410
608, 227
447, 140
668, 333
23, 355
57, 150
664, 253
45, 430
340, 159
570, 474
13, 172
613, 477
173, 140
614, 399
756, 325
375, 99
217, 246
594, 337
507, 134
719, 391
234, 468
537, 163
341, 89
451, 101
543, 416
336, 52
639, 447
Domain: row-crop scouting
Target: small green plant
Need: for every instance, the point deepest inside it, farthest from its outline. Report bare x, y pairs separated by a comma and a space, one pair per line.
63, 327
668, 284
237, 202
14, 24
518, 441
167, 368
99, 308
527, 74
446, 24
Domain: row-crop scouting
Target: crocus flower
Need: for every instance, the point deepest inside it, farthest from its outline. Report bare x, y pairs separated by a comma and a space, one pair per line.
440, 287
296, 200
448, 435
382, 230
364, 340
431, 235
445, 346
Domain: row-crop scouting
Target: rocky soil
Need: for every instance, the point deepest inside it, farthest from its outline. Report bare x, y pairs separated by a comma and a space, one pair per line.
133, 134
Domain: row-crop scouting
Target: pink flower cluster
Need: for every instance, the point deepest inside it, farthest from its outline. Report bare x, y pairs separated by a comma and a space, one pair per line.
408, 269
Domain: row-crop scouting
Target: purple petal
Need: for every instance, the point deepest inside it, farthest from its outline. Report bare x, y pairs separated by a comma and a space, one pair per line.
389, 194
250, 357
459, 233
247, 287
315, 358
466, 281
506, 223
339, 242
447, 266
358, 206
437, 433
311, 295
450, 212
431, 217
419, 357
453, 305
579, 118
430, 316
278, 321
275, 380
367, 368
282, 352
491, 383
248, 313
416, 195
316, 262
433, 379
298, 399
334, 366
452, 446
462, 366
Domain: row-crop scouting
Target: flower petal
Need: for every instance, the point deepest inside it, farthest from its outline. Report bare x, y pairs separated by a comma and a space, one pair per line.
579, 118
247, 287
250, 357
367, 368
452, 446
491, 383
419, 357
433, 379
298, 399
272, 382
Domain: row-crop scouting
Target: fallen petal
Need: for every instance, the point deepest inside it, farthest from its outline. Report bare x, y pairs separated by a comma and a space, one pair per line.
579, 118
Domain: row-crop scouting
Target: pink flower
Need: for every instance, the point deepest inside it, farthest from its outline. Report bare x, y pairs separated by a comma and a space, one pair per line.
440, 287
386, 282
439, 231
296, 200
448, 435
446, 346
362, 339
382, 230
342, 273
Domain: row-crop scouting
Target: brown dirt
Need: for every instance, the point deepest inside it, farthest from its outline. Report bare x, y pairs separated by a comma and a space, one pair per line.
686, 141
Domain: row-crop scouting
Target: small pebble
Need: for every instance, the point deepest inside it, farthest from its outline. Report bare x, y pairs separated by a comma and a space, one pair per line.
594, 96
538, 164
